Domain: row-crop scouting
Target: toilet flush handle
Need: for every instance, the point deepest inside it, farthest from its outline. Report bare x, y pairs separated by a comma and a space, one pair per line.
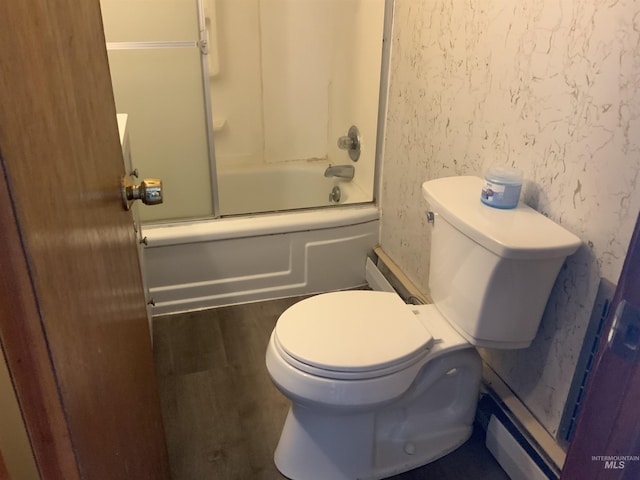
431, 217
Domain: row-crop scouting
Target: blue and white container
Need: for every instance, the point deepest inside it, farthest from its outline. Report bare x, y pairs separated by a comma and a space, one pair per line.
502, 186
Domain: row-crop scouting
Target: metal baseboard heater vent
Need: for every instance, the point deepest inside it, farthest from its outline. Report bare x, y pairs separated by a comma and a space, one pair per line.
585, 360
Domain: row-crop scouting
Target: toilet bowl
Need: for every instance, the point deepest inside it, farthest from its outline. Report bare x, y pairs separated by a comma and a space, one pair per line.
378, 387
412, 381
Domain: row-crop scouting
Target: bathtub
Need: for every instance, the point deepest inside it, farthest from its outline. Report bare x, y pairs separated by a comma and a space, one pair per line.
284, 186
204, 264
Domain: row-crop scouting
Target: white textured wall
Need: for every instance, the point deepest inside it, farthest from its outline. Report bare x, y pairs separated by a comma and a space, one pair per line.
550, 87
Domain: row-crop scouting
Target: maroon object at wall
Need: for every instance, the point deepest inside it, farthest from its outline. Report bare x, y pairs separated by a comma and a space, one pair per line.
607, 440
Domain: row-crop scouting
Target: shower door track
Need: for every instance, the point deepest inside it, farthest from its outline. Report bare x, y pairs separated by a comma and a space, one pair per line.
149, 45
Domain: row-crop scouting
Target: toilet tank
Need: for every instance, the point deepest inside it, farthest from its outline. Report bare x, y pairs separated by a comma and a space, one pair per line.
491, 270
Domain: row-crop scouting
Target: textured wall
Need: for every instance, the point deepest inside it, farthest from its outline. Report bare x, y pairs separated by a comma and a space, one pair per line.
547, 86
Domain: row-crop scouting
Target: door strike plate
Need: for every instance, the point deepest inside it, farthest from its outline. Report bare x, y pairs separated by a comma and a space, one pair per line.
624, 336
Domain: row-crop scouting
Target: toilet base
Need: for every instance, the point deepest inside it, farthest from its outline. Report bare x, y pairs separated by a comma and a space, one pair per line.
342, 447
433, 418
338, 449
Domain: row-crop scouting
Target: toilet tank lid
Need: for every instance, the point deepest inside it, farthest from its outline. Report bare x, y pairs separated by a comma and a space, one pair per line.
519, 233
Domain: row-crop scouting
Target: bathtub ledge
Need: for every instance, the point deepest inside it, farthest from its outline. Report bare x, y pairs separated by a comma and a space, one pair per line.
257, 225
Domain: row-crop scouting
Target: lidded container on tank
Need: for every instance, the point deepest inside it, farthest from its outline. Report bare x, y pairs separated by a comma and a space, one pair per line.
502, 186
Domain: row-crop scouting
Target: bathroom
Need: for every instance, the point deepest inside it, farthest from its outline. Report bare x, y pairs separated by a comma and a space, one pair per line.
545, 87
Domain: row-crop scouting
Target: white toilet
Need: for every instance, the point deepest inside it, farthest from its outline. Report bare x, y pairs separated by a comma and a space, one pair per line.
379, 387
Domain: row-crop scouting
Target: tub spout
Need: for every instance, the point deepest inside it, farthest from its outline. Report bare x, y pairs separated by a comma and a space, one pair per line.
341, 171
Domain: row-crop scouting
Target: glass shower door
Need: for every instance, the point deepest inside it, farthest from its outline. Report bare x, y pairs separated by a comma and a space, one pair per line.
154, 51
294, 76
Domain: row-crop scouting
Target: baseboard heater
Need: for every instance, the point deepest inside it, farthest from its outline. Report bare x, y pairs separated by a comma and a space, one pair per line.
512, 455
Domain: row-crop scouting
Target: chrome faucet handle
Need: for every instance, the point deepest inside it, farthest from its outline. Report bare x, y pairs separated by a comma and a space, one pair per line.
346, 143
351, 143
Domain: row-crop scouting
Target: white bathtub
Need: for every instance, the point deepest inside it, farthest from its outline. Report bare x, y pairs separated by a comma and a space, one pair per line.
284, 186
204, 264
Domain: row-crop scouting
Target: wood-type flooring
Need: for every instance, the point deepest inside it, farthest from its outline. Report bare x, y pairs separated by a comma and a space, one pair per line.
223, 415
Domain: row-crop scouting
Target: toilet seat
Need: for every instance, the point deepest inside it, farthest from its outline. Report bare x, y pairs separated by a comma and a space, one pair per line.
351, 335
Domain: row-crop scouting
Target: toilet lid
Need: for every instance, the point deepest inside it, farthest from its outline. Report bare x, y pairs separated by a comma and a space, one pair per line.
354, 331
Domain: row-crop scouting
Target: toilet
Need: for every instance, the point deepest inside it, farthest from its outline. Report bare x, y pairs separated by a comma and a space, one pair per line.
379, 387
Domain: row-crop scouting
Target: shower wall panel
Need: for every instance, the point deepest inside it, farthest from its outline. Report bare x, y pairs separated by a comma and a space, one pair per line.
236, 88
145, 21
161, 90
297, 46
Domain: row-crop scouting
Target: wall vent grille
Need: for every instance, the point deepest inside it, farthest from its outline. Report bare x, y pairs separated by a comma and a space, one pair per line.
586, 359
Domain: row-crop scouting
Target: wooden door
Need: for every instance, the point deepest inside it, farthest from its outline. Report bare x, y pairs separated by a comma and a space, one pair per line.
72, 312
606, 444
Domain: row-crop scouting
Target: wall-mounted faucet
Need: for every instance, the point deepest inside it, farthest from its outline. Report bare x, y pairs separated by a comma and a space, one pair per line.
340, 171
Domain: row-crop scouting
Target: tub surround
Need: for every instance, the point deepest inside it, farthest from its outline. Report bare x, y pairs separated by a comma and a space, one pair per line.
198, 265
543, 86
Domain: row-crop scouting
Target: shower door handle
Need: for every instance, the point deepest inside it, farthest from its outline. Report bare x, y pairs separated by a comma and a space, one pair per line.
149, 191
